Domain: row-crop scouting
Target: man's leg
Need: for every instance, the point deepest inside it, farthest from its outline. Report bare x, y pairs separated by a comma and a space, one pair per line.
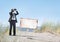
10, 30
14, 28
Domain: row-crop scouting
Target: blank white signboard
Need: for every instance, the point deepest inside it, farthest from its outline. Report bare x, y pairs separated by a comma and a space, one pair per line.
28, 23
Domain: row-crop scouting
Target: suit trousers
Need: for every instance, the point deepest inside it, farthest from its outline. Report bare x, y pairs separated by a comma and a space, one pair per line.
12, 26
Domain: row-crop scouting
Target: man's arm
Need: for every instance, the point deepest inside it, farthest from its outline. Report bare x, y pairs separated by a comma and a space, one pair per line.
10, 13
17, 13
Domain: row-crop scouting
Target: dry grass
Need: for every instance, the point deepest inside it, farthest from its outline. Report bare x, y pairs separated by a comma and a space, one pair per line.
48, 27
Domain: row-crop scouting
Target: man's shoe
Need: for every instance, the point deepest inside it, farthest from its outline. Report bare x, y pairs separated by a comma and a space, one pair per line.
14, 35
9, 35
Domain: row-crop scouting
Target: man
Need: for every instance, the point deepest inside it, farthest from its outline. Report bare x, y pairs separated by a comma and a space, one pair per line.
13, 21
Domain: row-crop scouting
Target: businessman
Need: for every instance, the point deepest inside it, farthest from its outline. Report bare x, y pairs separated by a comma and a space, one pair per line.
13, 21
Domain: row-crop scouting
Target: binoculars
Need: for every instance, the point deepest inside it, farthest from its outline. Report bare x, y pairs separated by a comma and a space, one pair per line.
13, 10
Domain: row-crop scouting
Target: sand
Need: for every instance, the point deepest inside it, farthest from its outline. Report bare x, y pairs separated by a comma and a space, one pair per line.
31, 37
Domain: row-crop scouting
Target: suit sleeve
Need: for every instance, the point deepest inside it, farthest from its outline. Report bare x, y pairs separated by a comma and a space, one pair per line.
17, 13
10, 13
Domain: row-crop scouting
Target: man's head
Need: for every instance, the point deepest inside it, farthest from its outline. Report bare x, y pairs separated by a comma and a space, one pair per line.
12, 10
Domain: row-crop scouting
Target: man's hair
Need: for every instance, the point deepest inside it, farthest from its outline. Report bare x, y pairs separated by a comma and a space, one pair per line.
12, 10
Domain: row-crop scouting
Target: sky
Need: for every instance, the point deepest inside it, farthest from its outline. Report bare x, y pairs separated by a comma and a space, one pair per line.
43, 10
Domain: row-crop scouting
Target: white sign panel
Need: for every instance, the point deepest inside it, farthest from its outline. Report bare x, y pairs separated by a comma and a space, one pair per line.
28, 23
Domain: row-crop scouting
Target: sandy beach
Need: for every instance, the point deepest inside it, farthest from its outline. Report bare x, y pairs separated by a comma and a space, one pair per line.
31, 37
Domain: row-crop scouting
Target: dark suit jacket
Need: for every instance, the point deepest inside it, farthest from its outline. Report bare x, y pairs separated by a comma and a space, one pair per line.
10, 19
